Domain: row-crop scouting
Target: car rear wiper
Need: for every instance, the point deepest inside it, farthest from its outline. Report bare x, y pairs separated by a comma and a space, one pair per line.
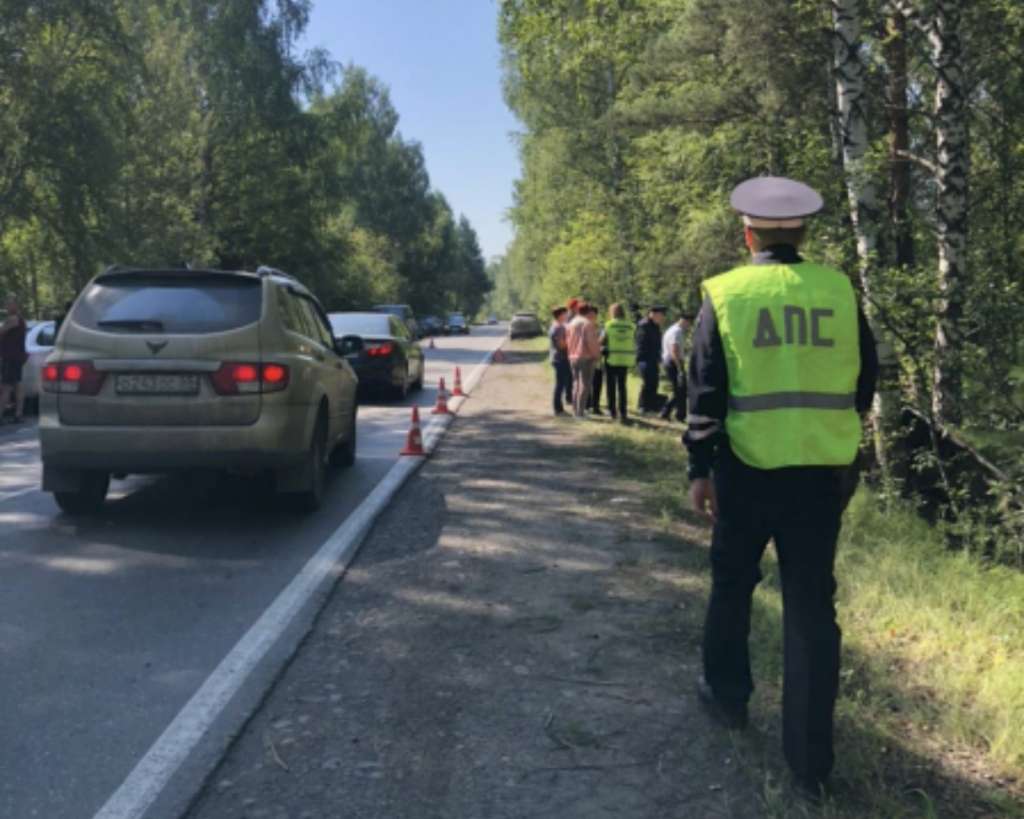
143, 325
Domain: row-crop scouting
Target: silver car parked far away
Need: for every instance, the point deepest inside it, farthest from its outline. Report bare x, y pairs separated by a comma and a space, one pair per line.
165, 370
524, 325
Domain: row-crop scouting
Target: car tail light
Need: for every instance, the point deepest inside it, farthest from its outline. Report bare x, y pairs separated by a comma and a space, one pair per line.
275, 377
244, 378
73, 377
380, 350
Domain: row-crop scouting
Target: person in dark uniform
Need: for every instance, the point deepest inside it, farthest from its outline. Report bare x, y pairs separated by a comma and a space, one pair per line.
783, 363
648, 356
602, 363
12, 360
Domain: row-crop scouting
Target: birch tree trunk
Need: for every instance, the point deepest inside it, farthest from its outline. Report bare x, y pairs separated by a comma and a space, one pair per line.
863, 198
952, 173
899, 139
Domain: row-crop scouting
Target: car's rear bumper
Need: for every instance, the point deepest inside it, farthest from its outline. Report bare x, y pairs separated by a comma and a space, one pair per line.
278, 439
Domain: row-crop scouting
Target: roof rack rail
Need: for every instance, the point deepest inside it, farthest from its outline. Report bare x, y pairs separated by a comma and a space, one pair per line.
114, 268
264, 270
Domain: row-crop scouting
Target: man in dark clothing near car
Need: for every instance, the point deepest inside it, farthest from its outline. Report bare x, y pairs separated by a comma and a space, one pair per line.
560, 360
648, 357
12, 359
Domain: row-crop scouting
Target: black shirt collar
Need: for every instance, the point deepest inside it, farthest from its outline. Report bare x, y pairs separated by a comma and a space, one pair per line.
778, 254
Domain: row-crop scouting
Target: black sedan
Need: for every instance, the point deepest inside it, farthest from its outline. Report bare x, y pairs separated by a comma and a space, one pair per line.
456, 324
391, 359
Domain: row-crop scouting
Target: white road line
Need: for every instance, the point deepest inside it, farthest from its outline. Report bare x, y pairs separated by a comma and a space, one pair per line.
152, 773
17, 493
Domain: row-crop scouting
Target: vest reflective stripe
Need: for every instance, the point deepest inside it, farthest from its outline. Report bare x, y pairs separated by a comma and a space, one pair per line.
621, 346
792, 400
792, 352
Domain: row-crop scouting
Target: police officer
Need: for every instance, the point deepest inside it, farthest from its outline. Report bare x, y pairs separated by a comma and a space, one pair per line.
782, 363
648, 356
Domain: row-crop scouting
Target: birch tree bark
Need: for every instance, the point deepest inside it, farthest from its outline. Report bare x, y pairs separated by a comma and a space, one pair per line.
952, 173
863, 197
903, 254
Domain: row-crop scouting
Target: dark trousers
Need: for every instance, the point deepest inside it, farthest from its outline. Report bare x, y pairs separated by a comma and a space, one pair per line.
800, 509
595, 393
617, 387
649, 392
677, 401
563, 384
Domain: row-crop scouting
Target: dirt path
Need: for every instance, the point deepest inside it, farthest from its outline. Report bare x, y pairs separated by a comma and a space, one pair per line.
514, 640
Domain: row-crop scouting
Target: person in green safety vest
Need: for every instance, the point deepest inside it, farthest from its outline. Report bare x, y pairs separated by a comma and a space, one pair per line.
617, 340
782, 366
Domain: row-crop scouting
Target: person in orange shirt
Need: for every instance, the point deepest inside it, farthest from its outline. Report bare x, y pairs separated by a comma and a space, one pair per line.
584, 348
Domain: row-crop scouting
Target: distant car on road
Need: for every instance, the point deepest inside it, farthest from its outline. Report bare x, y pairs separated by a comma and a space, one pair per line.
456, 324
431, 326
492, 319
524, 325
166, 370
390, 358
405, 313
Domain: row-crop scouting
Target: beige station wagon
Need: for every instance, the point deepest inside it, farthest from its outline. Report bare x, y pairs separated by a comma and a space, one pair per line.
165, 370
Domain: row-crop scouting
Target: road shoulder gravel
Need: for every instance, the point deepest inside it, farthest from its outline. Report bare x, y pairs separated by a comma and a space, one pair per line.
515, 639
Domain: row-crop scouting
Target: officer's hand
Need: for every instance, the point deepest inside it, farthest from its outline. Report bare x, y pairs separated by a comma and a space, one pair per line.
702, 496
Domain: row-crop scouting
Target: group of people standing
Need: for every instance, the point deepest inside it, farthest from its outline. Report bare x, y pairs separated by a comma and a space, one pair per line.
586, 356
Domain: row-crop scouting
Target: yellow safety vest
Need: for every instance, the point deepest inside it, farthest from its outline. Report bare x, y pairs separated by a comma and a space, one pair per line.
792, 352
621, 346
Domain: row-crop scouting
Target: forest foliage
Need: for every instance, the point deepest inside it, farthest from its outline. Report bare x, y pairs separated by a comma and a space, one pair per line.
640, 116
162, 132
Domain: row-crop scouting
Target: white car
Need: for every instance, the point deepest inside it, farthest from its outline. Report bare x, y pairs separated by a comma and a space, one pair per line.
525, 325
38, 344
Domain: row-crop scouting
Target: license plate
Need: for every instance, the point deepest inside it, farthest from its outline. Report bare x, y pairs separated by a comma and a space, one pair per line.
156, 384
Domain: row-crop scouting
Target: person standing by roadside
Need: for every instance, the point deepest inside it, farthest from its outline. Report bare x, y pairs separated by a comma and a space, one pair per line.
783, 364
648, 357
559, 357
599, 368
672, 345
619, 348
12, 359
573, 305
584, 351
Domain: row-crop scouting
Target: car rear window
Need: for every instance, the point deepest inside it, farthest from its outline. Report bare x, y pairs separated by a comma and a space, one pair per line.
172, 303
360, 324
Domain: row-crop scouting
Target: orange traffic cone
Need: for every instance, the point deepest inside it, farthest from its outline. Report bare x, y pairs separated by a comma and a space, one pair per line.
457, 392
414, 440
441, 407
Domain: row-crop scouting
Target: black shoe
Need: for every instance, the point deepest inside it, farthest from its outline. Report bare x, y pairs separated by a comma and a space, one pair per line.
731, 715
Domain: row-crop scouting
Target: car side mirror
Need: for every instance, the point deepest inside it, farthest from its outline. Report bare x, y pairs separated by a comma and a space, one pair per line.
348, 345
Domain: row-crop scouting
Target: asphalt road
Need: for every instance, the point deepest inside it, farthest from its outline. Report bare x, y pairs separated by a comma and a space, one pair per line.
109, 625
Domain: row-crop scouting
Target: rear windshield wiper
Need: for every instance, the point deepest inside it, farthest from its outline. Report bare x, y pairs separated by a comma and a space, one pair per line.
143, 325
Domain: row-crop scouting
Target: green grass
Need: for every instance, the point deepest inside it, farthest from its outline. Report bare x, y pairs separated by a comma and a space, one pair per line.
932, 698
